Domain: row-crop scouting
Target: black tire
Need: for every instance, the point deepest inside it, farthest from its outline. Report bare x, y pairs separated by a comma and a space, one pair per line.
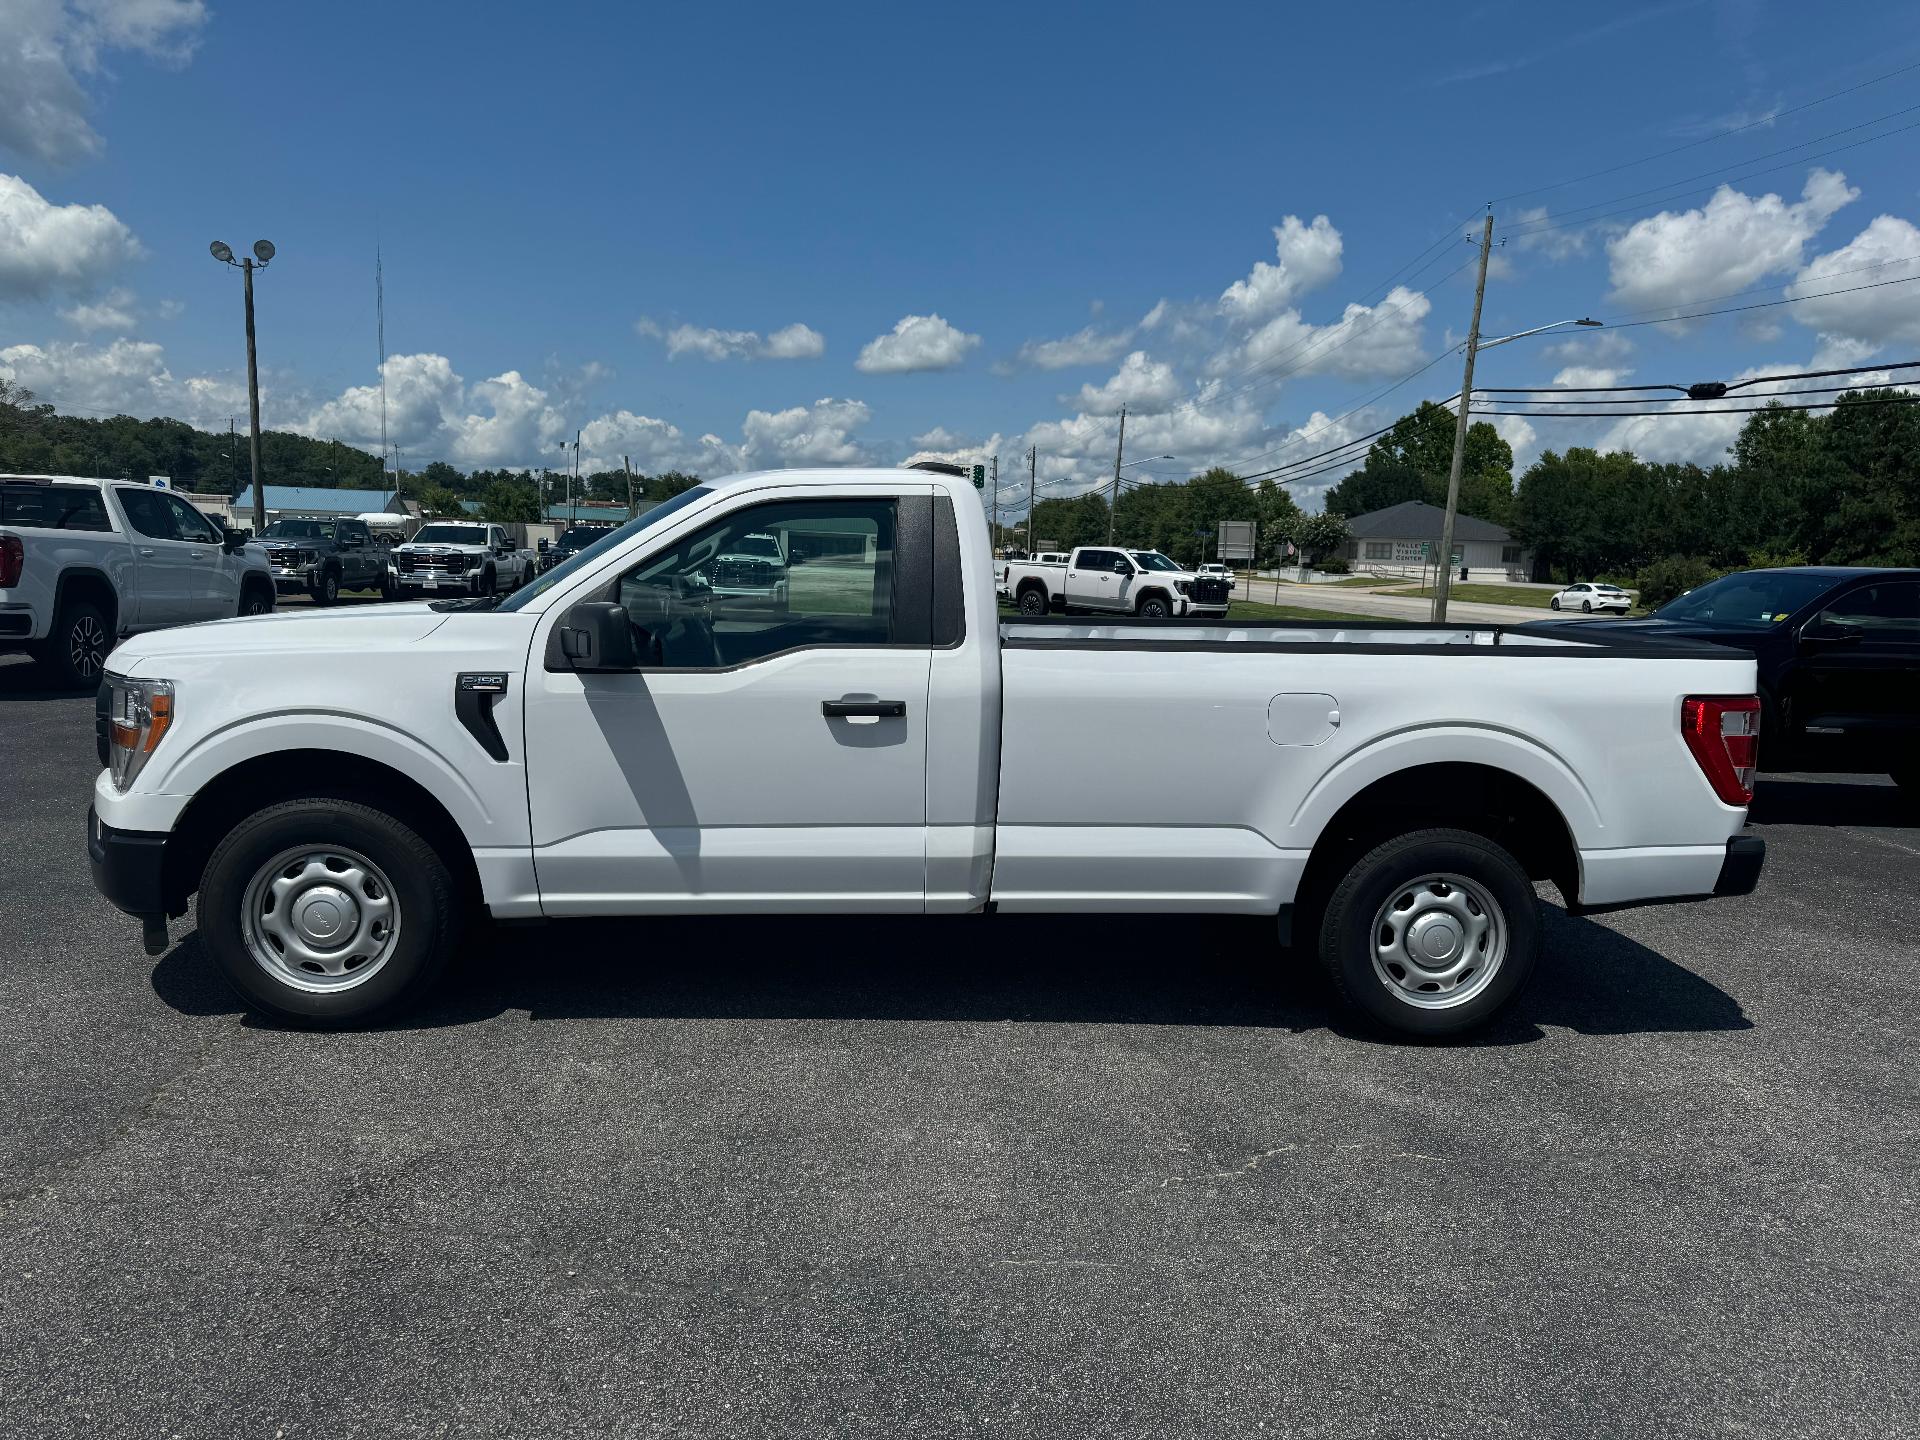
388, 591
256, 600
1347, 935
1586, 607
1153, 607
76, 650
428, 929
1554, 603
489, 582
326, 588
1033, 601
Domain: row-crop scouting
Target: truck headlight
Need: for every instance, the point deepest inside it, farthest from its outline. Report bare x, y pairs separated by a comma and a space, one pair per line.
139, 714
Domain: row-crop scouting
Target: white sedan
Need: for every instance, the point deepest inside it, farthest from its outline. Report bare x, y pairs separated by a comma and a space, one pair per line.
1588, 597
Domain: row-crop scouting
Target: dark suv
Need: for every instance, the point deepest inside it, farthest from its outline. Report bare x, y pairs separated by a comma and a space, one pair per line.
324, 557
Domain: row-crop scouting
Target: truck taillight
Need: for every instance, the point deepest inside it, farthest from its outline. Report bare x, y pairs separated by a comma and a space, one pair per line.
1723, 732
13, 556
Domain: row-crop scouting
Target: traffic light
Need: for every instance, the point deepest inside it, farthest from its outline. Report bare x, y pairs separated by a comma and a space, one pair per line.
979, 477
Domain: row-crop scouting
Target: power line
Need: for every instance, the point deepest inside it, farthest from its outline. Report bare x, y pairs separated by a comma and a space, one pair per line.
1762, 305
1767, 119
1723, 410
1736, 385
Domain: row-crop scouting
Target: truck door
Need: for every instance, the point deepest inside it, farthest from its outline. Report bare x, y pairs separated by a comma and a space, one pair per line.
216, 573
1857, 694
173, 578
767, 753
1095, 580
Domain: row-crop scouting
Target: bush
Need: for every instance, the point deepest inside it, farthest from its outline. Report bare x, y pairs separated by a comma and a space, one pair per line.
1673, 575
1332, 567
1774, 559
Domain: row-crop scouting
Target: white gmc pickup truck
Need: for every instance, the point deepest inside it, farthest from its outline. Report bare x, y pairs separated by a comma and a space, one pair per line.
346, 790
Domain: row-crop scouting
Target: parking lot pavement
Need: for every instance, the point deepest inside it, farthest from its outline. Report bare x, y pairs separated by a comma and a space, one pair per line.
978, 1176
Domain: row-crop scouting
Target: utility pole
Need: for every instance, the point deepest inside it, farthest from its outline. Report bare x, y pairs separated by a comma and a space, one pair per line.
233, 462
627, 465
994, 533
1033, 465
1443, 578
1113, 508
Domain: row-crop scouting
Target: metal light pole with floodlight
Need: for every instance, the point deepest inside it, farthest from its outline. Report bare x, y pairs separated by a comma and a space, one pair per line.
246, 265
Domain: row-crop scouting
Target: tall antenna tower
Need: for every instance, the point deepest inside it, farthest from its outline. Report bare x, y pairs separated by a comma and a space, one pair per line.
380, 310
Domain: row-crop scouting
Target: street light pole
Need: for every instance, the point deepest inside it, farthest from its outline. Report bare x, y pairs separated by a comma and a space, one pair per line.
262, 254
1443, 577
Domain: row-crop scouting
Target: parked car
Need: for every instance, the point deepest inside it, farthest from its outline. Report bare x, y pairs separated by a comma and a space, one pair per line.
571, 542
1589, 596
1838, 657
1214, 570
324, 557
459, 556
344, 790
84, 562
1104, 578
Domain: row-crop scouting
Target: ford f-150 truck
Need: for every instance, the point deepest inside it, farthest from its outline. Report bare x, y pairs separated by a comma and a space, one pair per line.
459, 557
83, 562
346, 789
1106, 578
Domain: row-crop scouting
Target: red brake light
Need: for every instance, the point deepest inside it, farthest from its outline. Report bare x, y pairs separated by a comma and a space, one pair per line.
13, 557
1723, 732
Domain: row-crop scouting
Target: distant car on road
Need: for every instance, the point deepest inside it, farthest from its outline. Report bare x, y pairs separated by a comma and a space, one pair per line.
1217, 571
324, 557
84, 562
1839, 661
1589, 596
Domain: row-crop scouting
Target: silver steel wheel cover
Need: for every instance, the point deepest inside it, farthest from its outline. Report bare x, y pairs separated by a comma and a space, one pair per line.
1438, 941
87, 645
320, 918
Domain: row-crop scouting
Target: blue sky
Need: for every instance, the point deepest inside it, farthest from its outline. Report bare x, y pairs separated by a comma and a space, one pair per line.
731, 236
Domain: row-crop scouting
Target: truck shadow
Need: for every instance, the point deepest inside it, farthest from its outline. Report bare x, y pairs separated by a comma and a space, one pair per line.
1872, 800
23, 680
1149, 970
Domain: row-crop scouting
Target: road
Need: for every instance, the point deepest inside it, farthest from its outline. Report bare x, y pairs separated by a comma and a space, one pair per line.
977, 1176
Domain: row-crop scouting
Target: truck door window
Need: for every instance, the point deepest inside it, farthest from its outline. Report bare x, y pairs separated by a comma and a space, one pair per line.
1888, 614
147, 512
189, 523
767, 579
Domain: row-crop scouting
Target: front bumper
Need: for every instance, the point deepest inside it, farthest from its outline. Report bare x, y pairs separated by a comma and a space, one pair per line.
129, 867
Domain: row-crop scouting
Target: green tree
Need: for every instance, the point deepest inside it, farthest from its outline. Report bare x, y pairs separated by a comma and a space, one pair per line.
1413, 460
437, 501
510, 502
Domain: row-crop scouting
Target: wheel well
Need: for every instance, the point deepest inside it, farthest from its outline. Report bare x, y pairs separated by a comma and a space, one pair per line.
90, 585
1155, 592
267, 779
1030, 584
1509, 811
254, 580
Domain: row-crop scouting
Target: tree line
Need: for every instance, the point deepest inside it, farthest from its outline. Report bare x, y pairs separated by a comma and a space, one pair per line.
36, 440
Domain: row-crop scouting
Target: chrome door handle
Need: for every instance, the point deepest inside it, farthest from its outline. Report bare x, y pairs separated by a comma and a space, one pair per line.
146, 550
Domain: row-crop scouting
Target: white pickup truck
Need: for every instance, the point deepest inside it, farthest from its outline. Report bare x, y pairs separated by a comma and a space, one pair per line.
1112, 580
459, 557
345, 790
83, 562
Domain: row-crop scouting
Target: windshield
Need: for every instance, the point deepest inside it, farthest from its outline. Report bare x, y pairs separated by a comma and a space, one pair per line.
580, 559
451, 535
298, 530
584, 535
1154, 560
1748, 600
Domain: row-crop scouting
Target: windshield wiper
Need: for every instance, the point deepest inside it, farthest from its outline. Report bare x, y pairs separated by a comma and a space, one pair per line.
469, 603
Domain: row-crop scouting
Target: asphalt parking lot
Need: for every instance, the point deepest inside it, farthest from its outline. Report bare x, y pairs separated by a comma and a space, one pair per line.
966, 1177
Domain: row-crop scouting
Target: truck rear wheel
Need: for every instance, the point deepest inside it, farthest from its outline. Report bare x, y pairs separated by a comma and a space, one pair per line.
327, 913
76, 648
1429, 934
1033, 601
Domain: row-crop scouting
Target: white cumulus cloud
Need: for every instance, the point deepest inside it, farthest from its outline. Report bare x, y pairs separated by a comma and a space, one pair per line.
127, 377
113, 311
917, 342
1143, 385
791, 342
1308, 257
1723, 247
47, 248
1365, 342
48, 48
1872, 318
816, 434
1090, 346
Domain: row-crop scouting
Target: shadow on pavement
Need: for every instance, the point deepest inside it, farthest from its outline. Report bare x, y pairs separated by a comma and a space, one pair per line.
1833, 800
21, 679
1143, 970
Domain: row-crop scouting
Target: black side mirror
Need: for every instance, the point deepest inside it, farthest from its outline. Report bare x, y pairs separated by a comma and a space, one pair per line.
233, 541
599, 635
1121, 567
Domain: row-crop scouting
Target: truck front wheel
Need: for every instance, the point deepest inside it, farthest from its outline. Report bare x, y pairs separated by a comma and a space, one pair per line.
1154, 607
1431, 933
327, 913
326, 588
